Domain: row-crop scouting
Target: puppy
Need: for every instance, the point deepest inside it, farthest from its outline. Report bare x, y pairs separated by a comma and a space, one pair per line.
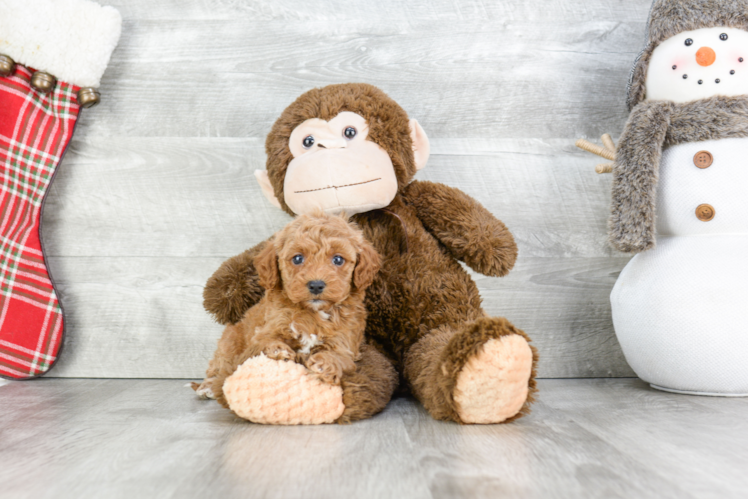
315, 272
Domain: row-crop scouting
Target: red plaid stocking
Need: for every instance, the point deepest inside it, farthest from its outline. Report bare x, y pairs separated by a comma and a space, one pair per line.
35, 129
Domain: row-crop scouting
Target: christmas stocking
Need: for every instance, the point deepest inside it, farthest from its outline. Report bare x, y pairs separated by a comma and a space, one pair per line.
52, 56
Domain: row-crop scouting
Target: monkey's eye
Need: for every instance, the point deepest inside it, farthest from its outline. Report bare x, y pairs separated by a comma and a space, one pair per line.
308, 142
350, 133
338, 260
689, 42
723, 37
298, 259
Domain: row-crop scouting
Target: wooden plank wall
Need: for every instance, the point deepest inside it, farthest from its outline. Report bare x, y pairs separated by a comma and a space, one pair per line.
157, 188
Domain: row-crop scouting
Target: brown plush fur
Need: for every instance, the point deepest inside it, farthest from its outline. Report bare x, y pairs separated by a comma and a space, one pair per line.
239, 287
424, 310
323, 331
651, 126
670, 17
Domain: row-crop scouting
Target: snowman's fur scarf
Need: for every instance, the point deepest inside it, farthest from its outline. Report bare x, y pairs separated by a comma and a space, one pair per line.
651, 126
670, 17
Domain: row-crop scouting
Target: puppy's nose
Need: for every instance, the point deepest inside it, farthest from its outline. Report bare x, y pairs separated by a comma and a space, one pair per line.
316, 286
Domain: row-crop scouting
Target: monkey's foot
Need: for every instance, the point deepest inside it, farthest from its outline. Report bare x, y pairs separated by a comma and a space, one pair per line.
267, 391
482, 372
493, 385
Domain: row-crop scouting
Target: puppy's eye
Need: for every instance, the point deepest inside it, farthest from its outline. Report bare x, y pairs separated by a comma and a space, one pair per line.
308, 142
349, 133
689, 42
338, 260
298, 259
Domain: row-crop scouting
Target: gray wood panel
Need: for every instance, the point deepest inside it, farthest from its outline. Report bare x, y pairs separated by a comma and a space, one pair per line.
157, 186
142, 316
594, 438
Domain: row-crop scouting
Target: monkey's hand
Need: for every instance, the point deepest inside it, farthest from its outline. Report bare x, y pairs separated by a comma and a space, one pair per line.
234, 287
469, 231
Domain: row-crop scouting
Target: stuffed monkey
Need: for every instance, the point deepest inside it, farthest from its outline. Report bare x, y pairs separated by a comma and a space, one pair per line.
351, 148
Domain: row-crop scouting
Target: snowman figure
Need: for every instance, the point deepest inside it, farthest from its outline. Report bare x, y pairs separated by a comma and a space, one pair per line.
680, 201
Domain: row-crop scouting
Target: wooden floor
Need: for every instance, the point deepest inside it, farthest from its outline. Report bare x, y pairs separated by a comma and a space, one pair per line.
153, 438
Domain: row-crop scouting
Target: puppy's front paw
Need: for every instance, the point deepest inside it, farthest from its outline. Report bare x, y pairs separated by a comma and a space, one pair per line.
326, 367
279, 351
204, 390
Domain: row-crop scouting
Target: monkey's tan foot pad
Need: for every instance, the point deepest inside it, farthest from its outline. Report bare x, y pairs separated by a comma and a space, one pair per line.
267, 391
494, 384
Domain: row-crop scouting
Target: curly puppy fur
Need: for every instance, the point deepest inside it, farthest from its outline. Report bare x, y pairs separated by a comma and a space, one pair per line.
424, 310
670, 17
295, 320
652, 126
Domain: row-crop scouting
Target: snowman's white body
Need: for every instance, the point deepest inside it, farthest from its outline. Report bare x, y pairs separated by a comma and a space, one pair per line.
681, 310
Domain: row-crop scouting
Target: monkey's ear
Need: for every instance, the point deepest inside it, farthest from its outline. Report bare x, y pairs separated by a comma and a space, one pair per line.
421, 148
267, 189
266, 264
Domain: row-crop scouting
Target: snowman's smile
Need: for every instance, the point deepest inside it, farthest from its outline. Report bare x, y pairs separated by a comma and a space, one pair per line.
699, 64
705, 57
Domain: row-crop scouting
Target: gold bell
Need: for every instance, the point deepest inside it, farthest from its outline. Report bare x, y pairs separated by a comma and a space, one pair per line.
88, 97
7, 65
43, 82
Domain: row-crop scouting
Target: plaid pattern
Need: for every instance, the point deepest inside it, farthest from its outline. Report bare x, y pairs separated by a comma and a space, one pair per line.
34, 132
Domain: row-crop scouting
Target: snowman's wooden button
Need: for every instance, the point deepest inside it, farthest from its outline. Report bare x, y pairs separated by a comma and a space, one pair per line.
705, 212
703, 159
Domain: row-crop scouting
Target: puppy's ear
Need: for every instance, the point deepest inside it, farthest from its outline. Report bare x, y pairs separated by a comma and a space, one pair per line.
367, 266
266, 264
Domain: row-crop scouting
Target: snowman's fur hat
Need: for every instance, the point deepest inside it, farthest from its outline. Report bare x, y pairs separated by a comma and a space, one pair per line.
670, 17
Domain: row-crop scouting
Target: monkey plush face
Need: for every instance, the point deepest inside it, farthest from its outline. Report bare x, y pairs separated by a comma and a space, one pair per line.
335, 168
341, 148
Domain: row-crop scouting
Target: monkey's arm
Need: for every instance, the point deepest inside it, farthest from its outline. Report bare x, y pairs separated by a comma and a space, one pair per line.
632, 219
234, 287
470, 232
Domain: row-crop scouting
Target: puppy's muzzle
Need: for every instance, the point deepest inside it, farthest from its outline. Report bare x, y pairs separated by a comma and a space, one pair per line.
316, 287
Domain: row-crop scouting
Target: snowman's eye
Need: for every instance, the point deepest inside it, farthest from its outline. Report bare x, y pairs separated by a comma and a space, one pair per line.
689, 42
723, 37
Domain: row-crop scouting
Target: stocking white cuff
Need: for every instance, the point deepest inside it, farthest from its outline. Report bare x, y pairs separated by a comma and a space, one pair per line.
70, 39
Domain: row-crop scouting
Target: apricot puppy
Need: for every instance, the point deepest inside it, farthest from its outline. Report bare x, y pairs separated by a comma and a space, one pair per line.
315, 272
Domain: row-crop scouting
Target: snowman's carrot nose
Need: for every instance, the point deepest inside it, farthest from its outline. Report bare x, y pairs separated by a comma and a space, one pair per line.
705, 56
